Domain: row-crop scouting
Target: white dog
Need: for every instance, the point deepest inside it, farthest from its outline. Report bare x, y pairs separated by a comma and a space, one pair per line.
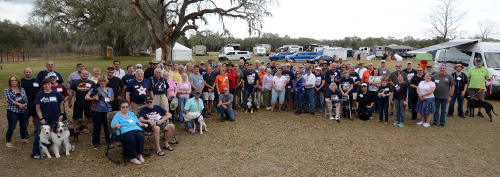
60, 138
45, 141
192, 116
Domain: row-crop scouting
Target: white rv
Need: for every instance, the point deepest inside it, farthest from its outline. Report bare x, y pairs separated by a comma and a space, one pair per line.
259, 51
465, 51
337, 53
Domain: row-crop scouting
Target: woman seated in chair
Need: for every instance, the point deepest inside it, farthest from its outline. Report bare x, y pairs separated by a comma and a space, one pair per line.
332, 99
128, 130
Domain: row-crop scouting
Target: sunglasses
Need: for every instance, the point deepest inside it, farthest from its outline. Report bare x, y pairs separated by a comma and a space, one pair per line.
420, 70
197, 93
149, 102
139, 67
124, 107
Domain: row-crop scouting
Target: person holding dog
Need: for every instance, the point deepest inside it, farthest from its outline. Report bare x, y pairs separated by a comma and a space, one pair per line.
195, 105
460, 89
49, 106
445, 87
476, 79
129, 132
225, 105
101, 98
157, 118
17, 103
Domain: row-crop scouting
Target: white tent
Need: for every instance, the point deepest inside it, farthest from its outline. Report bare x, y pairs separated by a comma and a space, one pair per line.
180, 53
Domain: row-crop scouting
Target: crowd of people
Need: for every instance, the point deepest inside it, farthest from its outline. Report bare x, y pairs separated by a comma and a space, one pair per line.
151, 98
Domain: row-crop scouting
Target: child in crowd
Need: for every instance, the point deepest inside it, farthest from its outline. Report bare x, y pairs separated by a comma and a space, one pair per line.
384, 91
400, 93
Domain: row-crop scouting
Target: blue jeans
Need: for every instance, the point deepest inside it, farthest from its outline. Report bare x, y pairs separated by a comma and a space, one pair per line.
300, 99
460, 108
180, 108
400, 110
12, 118
409, 99
233, 91
443, 103
245, 97
369, 111
309, 104
319, 100
223, 112
99, 119
384, 109
275, 95
377, 101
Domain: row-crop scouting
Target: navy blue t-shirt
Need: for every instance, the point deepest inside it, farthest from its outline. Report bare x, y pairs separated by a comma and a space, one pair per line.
384, 89
127, 78
319, 79
250, 79
346, 83
154, 114
42, 74
159, 85
49, 105
355, 77
330, 76
290, 77
139, 91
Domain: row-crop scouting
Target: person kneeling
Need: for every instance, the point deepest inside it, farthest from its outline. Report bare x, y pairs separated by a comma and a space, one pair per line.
128, 130
157, 118
193, 105
364, 103
225, 105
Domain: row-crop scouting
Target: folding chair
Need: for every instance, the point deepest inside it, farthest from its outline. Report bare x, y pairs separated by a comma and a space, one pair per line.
165, 133
113, 143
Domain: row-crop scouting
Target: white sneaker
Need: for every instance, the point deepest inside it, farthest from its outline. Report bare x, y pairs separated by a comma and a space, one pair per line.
420, 123
337, 118
268, 108
258, 107
331, 118
426, 125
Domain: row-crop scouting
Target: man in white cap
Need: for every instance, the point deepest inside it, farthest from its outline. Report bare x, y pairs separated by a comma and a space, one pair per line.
384, 72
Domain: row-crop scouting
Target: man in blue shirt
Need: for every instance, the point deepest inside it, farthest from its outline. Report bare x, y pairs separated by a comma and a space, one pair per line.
159, 85
319, 85
157, 118
50, 68
137, 91
193, 105
333, 75
250, 79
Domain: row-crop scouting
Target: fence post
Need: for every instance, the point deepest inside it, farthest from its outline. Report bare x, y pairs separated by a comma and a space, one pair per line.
22, 50
1, 58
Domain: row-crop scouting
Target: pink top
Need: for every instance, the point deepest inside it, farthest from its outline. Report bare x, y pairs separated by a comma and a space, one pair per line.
171, 88
184, 86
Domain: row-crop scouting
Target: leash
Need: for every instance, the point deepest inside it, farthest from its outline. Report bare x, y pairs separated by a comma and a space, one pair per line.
491, 86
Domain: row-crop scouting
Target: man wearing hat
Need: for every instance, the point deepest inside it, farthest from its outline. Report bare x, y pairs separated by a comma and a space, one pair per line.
210, 62
50, 68
262, 63
225, 105
429, 70
460, 89
384, 72
324, 66
157, 118
476, 78
361, 69
193, 105
117, 85
150, 72
339, 63
203, 68
80, 88
75, 75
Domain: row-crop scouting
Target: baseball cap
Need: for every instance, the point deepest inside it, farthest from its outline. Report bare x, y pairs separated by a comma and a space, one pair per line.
149, 99
262, 61
429, 66
51, 74
363, 84
383, 61
477, 59
197, 91
110, 68
44, 81
408, 62
288, 64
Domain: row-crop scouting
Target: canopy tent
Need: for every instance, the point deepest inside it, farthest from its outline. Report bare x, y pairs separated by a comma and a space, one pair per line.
424, 56
398, 58
179, 53
362, 55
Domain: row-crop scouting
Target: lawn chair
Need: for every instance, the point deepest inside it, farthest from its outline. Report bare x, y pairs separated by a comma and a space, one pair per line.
113, 143
174, 137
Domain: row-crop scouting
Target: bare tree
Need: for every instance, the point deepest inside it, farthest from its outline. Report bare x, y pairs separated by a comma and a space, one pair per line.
445, 19
487, 30
170, 19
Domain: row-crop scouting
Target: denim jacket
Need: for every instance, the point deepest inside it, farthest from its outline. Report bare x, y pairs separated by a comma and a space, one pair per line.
298, 85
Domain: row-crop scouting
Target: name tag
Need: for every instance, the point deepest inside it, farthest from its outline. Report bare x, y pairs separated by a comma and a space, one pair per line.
136, 86
52, 99
88, 84
289, 86
130, 121
459, 78
35, 84
185, 85
361, 95
59, 89
106, 99
200, 81
384, 72
386, 89
436, 81
226, 77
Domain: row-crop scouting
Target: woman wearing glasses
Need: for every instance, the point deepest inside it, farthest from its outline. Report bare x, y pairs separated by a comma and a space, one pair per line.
16, 109
101, 105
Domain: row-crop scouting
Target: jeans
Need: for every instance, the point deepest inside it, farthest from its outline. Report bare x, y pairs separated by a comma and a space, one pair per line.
319, 100
443, 103
180, 108
223, 112
384, 109
133, 141
245, 97
400, 110
99, 118
309, 104
460, 108
300, 99
409, 99
12, 118
369, 111
414, 100
377, 101
233, 92
275, 94
267, 98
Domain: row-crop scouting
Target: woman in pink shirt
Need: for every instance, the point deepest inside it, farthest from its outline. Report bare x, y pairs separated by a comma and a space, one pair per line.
184, 89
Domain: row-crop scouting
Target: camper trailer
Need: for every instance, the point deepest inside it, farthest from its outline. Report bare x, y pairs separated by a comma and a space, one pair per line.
266, 46
368, 50
235, 46
337, 53
465, 51
259, 51
378, 51
401, 51
200, 50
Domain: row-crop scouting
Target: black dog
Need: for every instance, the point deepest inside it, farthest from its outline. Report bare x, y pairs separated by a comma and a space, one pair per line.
77, 133
473, 103
251, 106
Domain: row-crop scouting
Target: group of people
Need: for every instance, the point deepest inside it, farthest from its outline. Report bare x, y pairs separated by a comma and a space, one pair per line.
150, 99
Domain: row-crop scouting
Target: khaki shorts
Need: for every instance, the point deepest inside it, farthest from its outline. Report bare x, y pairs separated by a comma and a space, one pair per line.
161, 100
208, 96
479, 95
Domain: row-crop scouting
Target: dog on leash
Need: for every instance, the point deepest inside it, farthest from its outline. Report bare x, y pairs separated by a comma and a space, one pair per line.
473, 103
60, 138
45, 140
251, 104
198, 118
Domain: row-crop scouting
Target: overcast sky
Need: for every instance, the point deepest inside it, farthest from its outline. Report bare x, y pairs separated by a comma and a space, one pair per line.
331, 19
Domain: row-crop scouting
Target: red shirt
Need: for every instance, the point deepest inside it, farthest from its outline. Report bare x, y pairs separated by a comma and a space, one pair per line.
233, 77
59, 88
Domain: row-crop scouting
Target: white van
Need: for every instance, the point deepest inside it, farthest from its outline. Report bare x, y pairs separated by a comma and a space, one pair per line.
465, 51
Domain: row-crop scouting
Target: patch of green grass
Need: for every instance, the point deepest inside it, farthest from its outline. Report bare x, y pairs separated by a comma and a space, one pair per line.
277, 144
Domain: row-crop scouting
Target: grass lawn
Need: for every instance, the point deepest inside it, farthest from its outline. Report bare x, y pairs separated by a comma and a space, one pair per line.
277, 144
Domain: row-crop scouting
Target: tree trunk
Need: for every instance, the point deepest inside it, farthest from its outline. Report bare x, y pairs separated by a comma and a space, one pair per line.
166, 51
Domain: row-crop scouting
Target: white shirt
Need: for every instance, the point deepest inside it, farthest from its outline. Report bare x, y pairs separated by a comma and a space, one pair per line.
119, 74
279, 82
310, 79
360, 72
423, 88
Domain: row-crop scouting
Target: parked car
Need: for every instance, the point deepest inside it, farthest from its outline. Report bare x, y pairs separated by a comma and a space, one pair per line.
144, 53
279, 56
326, 58
302, 56
236, 55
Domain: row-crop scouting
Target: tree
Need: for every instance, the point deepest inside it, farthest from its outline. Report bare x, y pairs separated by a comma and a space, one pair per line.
445, 19
175, 17
487, 30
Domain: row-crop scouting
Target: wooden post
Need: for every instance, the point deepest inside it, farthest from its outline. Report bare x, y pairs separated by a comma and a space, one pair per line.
22, 50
